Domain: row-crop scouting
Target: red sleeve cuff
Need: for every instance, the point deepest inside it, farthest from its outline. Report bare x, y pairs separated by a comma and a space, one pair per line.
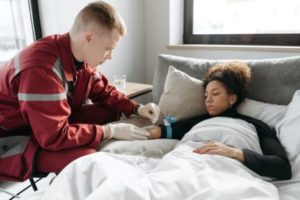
98, 137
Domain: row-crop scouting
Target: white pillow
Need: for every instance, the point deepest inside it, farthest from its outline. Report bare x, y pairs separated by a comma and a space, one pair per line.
150, 148
288, 130
271, 114
183, 95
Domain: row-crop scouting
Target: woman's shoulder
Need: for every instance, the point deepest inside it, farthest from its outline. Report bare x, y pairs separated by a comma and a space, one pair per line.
261, 127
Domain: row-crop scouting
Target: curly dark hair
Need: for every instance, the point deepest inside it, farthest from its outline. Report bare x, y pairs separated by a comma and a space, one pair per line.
234, 75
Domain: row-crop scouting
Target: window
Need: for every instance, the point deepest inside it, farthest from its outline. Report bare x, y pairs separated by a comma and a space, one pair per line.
20, 27
242, 22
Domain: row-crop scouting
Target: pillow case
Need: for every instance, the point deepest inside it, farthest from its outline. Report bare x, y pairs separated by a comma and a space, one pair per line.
271, 114
288, 129
279, 76
183, 95
150, 148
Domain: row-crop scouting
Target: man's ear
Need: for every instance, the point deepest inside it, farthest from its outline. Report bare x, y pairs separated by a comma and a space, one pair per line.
88, 36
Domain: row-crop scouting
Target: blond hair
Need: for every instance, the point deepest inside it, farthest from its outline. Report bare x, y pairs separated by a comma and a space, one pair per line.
99, 14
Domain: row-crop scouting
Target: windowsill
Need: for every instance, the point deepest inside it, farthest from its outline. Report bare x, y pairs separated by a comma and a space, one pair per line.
236, 47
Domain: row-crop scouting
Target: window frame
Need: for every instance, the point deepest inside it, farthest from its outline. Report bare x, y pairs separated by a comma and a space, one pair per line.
35, 19
232, 39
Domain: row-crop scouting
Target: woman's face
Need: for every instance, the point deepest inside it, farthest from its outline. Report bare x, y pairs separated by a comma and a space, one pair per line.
217, 98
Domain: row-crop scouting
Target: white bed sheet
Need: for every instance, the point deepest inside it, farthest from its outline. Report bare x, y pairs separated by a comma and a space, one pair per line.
288, 190
180, 174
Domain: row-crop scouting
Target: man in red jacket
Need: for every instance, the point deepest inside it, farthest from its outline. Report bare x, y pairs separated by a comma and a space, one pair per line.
44, 121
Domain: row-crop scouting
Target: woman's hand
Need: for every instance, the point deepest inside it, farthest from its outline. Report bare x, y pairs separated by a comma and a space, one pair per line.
217, 148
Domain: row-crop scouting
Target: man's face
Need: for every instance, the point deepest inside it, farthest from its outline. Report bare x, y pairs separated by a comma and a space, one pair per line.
99, 47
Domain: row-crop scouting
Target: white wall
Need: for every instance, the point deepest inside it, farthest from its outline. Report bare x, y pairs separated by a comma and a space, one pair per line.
164, 28
128, 58
152, 26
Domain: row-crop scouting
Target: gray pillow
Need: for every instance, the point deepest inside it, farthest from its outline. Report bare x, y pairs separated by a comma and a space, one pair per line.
273, 80
183, 95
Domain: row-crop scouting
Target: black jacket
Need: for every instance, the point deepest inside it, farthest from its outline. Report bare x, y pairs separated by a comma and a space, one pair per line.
274, 161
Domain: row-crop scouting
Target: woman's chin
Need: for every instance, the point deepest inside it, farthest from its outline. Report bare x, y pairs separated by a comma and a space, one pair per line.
213, 112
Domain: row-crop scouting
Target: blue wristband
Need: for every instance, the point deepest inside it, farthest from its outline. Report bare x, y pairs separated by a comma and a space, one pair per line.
168, 120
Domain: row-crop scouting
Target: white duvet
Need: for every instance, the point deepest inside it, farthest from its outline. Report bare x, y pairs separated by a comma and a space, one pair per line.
179, 175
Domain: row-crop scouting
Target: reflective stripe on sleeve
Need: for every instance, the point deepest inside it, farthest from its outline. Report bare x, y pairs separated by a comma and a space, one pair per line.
42, 97
57, 70
3, 128
17, 64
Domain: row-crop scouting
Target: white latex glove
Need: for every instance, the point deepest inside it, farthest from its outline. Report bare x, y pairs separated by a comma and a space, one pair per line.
150, 111
124, 131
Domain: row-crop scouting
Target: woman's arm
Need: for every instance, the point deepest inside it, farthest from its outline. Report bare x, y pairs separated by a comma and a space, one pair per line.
178, 128
218, 148
274, 161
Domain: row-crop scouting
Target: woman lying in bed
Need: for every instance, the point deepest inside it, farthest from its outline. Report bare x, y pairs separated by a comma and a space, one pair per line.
182, 174
225, 88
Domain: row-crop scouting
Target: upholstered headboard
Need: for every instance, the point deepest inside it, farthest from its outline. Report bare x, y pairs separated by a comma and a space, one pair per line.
273, 80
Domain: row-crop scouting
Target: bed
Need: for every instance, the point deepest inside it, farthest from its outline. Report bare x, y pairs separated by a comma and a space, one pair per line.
165, 169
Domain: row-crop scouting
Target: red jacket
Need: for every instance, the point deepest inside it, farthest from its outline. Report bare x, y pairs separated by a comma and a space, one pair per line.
34, 93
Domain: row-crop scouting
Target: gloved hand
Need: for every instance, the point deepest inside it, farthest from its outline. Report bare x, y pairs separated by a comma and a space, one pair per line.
150, 111
124, 131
